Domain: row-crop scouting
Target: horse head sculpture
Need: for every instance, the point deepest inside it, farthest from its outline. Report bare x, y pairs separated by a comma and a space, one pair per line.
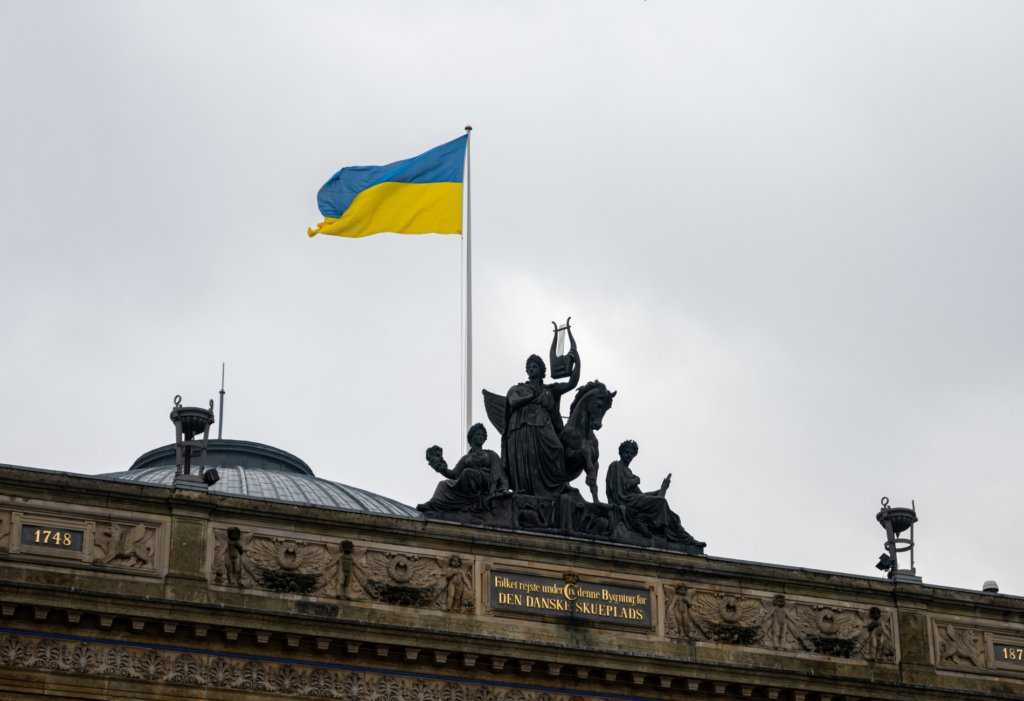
586, 415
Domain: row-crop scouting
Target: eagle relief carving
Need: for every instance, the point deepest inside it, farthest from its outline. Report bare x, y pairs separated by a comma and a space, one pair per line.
125, 545
341, 570
830, 631
426, 581
726, 618
846, 632
258, 561
778, 624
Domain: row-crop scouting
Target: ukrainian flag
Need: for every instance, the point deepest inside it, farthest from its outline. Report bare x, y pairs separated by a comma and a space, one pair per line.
422, 195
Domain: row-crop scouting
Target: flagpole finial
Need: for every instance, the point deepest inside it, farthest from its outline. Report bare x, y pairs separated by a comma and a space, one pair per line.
469, 128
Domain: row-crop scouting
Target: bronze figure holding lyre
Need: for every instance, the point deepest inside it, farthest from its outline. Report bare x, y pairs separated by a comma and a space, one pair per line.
541, 456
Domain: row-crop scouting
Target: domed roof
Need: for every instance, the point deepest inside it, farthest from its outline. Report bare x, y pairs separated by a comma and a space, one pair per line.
260, 471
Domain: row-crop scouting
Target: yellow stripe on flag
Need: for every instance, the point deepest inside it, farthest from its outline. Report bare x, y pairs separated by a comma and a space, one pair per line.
399, 208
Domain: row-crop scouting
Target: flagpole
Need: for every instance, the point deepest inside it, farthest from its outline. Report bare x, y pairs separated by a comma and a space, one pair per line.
469, 293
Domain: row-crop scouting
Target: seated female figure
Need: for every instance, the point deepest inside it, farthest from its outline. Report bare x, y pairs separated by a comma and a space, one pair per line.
644, 512
476, 476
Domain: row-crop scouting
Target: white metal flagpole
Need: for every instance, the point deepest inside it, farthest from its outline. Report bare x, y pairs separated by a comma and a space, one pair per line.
469, 294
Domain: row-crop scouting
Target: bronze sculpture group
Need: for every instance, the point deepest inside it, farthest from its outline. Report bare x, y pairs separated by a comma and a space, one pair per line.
528, 486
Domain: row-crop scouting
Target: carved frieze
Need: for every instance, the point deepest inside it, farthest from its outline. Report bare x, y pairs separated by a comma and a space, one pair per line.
342, 570
130, 663
775, 623
726, 618
977, 645
128, 545
443, 582
101, 540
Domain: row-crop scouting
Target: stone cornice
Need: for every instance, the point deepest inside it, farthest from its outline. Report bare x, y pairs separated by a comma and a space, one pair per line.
561, 673
491, 542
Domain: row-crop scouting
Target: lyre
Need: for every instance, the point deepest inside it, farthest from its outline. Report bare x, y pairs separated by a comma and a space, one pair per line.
561, 365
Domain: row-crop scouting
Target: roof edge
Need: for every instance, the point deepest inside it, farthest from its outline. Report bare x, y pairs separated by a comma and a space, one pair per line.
158, 456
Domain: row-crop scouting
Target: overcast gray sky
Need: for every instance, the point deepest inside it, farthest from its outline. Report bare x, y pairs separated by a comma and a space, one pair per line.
788, 234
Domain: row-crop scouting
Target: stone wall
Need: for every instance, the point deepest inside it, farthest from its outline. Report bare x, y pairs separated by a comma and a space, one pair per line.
153, 590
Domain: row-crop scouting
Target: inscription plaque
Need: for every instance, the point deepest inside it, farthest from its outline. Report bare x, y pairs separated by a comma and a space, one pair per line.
1009, 653
583, 601
51, 537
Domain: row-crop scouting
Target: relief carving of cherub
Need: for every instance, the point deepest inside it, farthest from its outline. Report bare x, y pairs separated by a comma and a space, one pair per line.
233, 559
350, 575
777, 624
229, 549
876, 634
457, 589
678, 605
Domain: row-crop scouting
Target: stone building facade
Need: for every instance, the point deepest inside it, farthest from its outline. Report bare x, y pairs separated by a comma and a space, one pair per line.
275, 584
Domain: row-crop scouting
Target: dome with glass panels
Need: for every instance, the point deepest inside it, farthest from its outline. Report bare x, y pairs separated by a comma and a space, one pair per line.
260, 471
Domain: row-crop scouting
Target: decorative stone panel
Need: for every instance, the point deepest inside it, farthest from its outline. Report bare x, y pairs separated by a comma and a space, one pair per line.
128, 545
199, 669
51, 535
342, 570
976, 645
777, 623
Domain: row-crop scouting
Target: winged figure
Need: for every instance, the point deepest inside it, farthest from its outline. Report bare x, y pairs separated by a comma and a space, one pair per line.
126, 544
494, 405
540, 456
960, 645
